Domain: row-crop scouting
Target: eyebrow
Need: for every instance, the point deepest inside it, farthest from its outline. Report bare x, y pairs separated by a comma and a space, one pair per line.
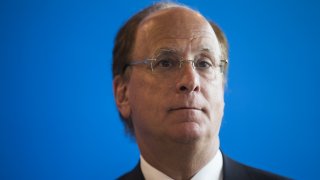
164, 50
174, 51
205, 49
208, 50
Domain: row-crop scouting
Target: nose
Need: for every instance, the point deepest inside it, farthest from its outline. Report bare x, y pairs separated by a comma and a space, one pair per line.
189, 80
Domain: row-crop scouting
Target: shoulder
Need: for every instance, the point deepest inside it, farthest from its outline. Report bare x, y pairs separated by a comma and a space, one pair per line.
135, 174
235, 170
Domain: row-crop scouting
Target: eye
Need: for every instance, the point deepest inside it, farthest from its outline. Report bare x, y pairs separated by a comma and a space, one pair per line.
165, 62
203, 63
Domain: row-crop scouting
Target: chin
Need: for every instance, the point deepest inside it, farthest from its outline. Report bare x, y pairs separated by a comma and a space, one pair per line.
187, 132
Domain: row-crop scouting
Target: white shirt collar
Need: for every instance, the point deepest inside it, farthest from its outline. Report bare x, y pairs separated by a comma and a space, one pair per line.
212, 170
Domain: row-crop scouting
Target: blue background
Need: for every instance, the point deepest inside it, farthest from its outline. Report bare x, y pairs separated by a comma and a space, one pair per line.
58, 116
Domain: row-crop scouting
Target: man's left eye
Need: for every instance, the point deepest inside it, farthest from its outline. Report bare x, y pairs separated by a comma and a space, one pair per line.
203, 63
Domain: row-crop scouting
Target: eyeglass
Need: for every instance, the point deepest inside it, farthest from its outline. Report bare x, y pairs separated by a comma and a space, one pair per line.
169, 64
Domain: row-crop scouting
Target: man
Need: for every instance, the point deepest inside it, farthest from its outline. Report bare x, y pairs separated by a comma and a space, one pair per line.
169, 70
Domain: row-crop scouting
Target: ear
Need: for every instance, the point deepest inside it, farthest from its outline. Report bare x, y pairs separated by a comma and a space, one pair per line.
120, 91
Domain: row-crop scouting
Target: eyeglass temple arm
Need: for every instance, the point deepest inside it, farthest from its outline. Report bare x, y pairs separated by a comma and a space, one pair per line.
223, 65
141, 62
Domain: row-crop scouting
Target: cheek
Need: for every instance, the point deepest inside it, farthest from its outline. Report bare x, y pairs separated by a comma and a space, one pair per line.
214, 93
145, 95
216, 105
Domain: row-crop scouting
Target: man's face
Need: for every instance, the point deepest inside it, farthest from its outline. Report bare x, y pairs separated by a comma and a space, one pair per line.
184, 107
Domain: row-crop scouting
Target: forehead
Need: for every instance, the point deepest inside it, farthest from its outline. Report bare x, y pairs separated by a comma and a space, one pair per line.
177, 28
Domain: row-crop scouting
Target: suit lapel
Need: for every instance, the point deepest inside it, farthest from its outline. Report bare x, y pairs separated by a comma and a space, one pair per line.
135, 174
233, 170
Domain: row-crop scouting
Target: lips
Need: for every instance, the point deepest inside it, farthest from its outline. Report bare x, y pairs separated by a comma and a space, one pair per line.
185, 108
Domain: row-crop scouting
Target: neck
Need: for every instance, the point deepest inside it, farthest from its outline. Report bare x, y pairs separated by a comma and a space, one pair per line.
179, 160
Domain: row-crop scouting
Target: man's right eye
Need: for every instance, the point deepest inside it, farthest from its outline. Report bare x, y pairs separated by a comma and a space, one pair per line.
164, 63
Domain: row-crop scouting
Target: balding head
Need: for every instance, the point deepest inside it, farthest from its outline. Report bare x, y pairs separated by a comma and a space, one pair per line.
168, 25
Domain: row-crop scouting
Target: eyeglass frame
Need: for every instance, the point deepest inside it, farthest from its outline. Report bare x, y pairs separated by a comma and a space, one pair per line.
149, 62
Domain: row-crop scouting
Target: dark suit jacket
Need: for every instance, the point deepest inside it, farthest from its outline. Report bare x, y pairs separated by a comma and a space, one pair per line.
232, 170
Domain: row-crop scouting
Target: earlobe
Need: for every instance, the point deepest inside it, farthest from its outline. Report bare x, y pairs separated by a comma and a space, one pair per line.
120, 91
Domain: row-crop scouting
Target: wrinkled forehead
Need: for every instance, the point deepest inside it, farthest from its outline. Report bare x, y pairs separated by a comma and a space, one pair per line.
175, 24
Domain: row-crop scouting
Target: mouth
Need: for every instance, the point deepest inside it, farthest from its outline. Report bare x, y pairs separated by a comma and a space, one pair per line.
185, 108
